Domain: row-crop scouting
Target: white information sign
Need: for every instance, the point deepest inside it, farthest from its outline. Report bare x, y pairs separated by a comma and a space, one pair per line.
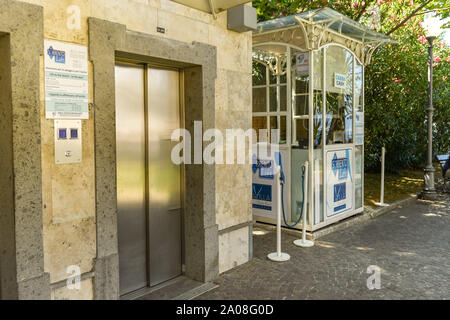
66, 81
302, 64
359, 128
339, 182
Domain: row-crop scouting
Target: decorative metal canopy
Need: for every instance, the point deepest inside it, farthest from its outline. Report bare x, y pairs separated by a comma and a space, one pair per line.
312, 29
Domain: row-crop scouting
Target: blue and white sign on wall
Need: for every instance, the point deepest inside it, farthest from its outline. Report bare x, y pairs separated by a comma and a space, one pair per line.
66, 81
339, 182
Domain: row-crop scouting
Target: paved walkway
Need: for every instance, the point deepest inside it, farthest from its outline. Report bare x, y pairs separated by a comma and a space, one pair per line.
411, 245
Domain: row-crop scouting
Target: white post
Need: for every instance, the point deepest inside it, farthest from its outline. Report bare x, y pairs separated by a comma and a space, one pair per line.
303, 242
381, 203
279, 256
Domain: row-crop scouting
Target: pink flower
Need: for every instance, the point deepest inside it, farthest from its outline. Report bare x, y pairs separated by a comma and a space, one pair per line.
422, 39
397, 80
379, 2
448, 59
437, 59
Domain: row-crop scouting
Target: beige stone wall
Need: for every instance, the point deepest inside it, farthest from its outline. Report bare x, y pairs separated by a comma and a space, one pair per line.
69, 190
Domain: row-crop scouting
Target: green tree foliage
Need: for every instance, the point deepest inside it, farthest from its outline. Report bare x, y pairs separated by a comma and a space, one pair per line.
396, 81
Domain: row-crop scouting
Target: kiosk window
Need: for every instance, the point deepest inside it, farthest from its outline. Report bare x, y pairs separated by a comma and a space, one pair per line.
283, 98
339, 96
258, 74
273, 99
270, 97
359, 98
301, 105
301, 127
259, 99
259, 124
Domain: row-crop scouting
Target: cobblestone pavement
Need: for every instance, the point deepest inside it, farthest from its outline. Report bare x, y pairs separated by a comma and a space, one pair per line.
410, 244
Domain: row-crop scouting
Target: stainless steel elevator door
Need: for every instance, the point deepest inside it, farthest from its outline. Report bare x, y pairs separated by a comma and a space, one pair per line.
163, 175
131, 178
148, 183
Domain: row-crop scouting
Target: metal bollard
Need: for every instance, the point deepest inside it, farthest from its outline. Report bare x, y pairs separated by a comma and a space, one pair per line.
303, 242
279, 256
381, 203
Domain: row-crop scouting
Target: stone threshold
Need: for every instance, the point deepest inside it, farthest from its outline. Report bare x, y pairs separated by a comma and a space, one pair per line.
367, 214
180, 288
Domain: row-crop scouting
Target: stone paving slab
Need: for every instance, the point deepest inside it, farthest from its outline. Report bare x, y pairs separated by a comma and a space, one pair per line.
411, 245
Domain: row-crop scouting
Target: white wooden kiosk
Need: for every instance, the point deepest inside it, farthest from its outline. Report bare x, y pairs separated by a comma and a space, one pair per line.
308, 82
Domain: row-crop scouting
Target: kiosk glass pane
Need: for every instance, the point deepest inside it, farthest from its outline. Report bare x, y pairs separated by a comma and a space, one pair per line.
273, 125
300, 71
339, 86
259, 100
283, 130
358, 177
302, 129
318, 117
318, 133
358, 87
301, 105
359, 104
273, 99
272, 78
318, 98
283, 98
259, 123
258, 74
301, 84
318, 69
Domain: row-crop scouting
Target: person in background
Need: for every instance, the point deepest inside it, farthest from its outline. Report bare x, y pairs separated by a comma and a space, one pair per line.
445, 169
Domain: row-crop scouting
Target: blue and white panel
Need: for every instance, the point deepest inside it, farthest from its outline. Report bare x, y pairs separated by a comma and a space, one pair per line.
339, 182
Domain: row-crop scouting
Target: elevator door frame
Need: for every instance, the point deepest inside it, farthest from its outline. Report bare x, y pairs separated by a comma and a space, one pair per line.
145, 66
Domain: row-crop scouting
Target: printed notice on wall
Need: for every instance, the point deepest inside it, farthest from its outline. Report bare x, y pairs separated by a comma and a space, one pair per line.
66, 81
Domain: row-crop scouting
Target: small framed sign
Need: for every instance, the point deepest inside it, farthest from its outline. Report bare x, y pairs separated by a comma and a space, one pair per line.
302, 64
340, 80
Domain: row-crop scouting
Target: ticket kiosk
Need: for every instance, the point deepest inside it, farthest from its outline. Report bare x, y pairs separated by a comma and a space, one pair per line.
308, 83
